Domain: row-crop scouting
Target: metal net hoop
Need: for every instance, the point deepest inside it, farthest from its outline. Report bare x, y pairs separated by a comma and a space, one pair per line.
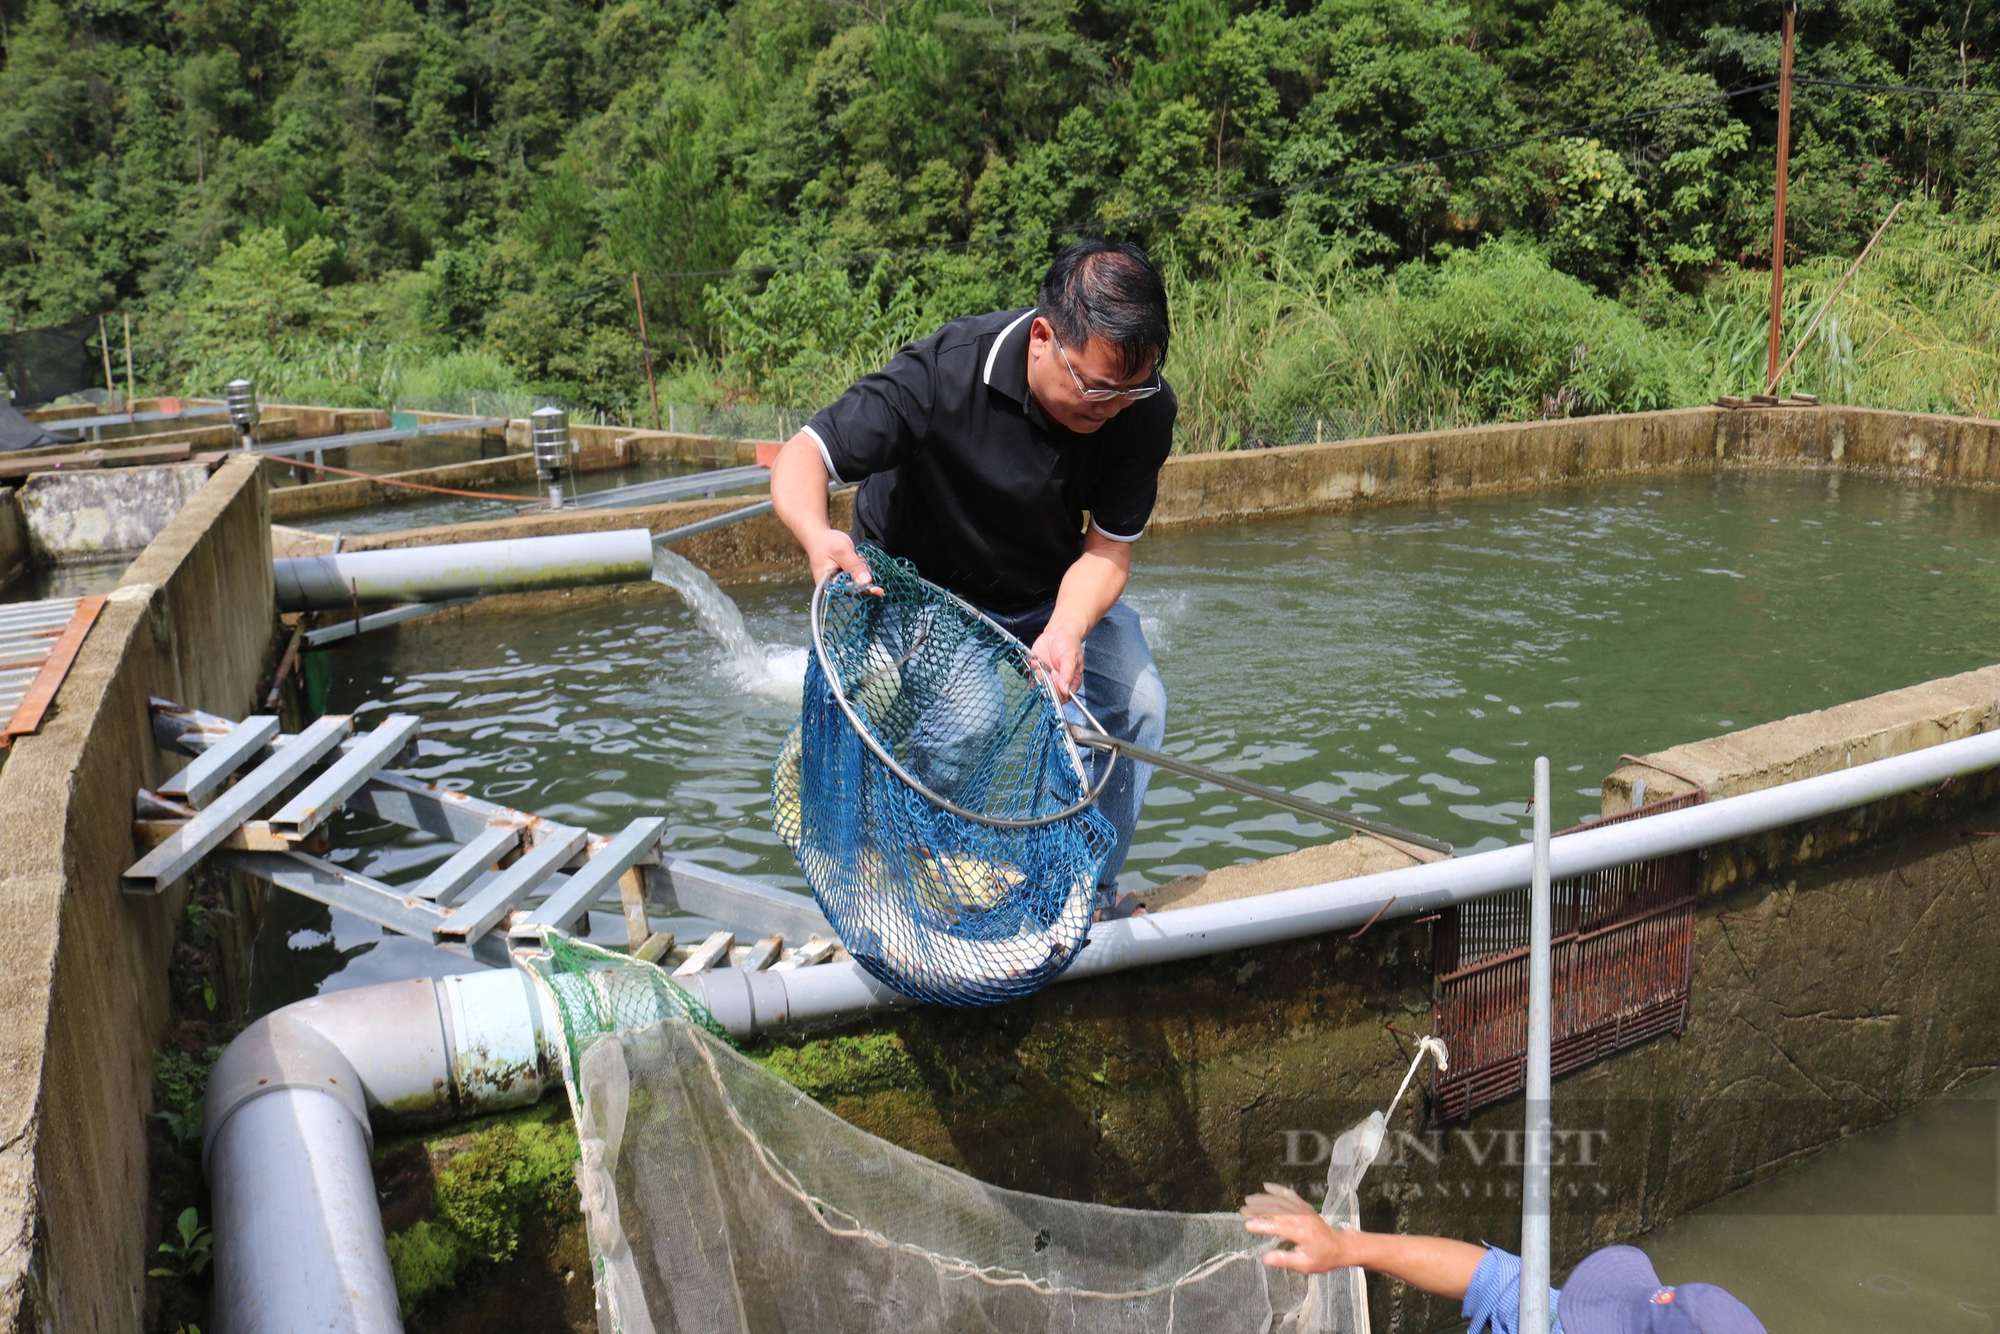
934, 797
839, 584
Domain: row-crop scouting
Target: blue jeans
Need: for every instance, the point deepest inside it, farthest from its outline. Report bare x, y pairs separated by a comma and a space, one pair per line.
1122, 687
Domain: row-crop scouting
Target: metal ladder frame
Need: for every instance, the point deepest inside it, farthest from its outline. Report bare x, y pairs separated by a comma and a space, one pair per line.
311, 775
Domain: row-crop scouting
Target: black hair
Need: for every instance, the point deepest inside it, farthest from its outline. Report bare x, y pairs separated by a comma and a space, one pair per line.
1109, 290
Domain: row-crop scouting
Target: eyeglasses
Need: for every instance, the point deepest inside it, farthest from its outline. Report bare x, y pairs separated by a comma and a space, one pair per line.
1105, 395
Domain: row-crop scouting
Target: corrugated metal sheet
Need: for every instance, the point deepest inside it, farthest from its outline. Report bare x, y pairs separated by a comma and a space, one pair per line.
28, 632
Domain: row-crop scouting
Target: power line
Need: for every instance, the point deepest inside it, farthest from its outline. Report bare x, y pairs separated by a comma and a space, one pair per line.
1897, 88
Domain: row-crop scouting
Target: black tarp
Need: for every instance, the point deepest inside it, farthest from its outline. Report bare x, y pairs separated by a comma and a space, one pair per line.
17, 432
44, 364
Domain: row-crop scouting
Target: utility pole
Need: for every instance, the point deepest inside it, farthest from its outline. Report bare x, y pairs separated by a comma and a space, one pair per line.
129, 396
1778, 224
647, 348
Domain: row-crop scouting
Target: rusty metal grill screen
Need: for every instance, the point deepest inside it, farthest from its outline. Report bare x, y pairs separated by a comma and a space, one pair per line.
1622, 952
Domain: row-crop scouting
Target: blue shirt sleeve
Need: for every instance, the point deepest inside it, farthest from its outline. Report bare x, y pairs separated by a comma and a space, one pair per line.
1493, 1298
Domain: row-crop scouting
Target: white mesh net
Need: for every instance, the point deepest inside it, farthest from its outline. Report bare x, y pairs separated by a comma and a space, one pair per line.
718, 1197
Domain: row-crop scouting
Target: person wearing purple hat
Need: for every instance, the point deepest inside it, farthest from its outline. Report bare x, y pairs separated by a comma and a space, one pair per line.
1614, 1291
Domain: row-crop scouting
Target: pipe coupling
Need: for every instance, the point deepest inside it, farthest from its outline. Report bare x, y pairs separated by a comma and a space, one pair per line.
279, 1051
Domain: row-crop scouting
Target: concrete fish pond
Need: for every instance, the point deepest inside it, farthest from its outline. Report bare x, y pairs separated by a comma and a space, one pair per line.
1756, 645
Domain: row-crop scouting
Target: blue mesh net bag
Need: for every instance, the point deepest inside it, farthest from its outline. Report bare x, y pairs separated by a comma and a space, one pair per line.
933, 797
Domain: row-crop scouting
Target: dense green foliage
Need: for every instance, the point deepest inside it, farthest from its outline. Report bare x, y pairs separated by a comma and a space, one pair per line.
371, 200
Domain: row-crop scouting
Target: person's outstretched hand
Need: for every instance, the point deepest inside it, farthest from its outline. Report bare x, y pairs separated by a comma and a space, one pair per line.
1317, 1246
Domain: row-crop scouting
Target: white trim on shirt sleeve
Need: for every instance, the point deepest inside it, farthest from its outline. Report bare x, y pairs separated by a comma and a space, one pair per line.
994, 355
1116, 537
825, 457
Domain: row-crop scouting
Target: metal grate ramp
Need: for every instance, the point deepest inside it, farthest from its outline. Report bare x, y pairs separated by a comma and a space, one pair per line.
262, 800
1623, 952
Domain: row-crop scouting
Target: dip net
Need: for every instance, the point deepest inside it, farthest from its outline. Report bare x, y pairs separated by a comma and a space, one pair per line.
933, 797
718, 1198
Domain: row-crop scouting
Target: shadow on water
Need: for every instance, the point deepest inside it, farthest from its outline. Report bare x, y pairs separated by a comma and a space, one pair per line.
1895, 1229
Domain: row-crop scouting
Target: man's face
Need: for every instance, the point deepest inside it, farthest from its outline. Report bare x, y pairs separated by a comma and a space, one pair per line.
1057, 386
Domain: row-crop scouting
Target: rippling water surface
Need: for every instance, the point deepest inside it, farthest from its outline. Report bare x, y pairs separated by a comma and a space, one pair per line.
1405, 663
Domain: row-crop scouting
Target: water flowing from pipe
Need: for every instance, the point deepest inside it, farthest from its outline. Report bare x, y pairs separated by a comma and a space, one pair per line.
772, 669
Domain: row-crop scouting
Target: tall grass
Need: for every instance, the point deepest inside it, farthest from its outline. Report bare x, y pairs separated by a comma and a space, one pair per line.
1302, 346
1488, 335
1918, 328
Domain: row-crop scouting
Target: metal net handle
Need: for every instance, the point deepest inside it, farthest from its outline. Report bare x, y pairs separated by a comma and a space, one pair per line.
861, 729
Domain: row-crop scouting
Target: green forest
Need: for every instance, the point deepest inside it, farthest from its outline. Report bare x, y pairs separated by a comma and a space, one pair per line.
1374, 214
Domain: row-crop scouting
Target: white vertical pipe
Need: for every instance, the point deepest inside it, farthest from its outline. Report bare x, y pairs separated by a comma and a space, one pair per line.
298, 1231
1535, 1174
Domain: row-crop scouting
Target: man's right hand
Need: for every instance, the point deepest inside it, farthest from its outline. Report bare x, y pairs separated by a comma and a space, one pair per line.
798, 494
830, 549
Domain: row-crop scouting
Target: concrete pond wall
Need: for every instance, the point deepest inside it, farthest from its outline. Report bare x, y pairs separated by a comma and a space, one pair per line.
1842, 973
84, 969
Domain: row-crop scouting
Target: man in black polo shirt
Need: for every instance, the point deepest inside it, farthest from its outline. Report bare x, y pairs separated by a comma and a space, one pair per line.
981, 450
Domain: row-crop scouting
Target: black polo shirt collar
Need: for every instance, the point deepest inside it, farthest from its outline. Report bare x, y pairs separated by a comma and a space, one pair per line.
965, 476
1007, 364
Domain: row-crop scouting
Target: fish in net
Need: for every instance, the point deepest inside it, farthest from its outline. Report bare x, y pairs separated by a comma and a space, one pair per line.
717, 1197
933, 797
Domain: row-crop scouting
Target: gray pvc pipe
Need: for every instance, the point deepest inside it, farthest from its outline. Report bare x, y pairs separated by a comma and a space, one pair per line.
463, 569
832, 990
286, 1136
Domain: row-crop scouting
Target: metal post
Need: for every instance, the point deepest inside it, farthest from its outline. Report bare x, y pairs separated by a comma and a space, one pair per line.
549, 433
647, 348
1535, 1174
130, 397
1778, 221
104, 349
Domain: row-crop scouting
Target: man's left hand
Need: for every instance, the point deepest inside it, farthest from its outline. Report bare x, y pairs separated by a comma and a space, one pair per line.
1061, 655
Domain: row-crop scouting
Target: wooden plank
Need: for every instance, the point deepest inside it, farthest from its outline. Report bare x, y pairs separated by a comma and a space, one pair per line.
35, 704
632, 905
816, 950
322, 797
468, 863
214, 766
478, 914
250, 836
707, 954
201, 835
762, 955
655, 948
13, 469
590, 882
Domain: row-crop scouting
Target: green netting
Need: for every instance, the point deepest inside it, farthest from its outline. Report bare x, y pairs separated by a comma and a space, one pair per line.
596, 991
720, 1198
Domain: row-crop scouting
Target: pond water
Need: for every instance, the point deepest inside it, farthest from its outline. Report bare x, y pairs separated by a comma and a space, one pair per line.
1404, 663
1895, 1229
40, 582
435, 511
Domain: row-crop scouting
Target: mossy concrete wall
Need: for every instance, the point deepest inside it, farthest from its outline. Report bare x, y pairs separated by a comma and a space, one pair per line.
1842, 975
83, 968
1332, 477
